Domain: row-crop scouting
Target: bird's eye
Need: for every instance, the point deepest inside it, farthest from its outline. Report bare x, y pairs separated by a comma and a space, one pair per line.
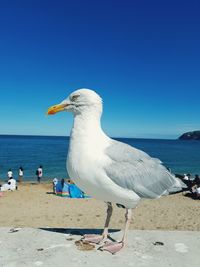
74, 97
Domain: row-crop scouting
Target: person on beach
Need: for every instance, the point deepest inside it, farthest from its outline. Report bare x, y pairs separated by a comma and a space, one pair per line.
20, 174
70, 181
186, 178
197, 179
62, 183
10, 174
11, 185
198, 191
55, 181
39, 173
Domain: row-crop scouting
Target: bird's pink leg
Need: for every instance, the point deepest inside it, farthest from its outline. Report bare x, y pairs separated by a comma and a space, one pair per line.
109, 214
128, 216
114, 247
99, 238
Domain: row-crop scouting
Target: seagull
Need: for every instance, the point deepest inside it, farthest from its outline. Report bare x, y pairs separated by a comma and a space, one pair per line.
106, 169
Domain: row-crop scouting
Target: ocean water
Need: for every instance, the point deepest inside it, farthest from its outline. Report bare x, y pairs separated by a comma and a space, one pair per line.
51, 152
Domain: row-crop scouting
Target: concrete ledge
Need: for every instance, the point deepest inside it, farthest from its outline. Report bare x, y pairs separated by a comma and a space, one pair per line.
56, 247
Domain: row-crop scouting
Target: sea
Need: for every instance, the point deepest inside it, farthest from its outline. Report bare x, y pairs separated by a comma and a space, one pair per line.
181, 156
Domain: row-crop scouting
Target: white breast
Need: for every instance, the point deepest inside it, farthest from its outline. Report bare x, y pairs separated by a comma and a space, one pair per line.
86, 161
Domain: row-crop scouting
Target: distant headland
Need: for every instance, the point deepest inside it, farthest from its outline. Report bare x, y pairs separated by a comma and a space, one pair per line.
194, 135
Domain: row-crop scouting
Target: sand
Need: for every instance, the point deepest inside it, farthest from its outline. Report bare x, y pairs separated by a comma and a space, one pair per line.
34, 205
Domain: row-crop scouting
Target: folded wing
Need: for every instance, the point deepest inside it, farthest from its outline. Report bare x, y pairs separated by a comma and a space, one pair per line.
135, 170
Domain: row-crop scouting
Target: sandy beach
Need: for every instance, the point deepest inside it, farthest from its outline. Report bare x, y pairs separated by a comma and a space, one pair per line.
34, 205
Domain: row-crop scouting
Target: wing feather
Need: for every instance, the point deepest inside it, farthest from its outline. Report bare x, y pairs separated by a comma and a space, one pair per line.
135, 170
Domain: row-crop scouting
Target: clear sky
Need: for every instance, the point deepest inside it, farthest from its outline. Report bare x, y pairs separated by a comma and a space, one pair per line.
142, 57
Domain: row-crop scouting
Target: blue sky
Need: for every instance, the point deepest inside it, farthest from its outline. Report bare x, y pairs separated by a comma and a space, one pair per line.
142, 57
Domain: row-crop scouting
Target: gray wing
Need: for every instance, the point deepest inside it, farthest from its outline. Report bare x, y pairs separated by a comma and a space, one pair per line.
135, 170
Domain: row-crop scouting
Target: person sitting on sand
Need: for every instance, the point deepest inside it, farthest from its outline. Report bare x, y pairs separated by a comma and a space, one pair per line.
70, 181
198, 191
197, 179
62, 183
185, 177
11, 185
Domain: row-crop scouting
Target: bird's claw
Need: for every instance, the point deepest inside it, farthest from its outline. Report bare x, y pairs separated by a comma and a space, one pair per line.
112, 247
92, 238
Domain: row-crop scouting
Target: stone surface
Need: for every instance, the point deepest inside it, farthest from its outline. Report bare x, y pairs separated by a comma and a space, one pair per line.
56, 247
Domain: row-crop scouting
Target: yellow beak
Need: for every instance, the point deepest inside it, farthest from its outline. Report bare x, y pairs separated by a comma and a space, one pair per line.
55, 109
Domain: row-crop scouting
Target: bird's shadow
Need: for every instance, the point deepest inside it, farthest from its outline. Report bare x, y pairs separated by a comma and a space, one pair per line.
78, 231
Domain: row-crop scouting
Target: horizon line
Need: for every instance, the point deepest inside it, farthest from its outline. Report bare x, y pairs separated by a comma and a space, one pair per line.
64, 136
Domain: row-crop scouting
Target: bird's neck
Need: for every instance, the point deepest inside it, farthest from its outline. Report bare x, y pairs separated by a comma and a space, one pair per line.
87, 128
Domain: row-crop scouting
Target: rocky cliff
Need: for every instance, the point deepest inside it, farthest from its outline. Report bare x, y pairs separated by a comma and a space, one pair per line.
195, 135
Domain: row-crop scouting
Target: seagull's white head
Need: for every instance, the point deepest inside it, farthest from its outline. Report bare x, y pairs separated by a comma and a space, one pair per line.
80, 101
